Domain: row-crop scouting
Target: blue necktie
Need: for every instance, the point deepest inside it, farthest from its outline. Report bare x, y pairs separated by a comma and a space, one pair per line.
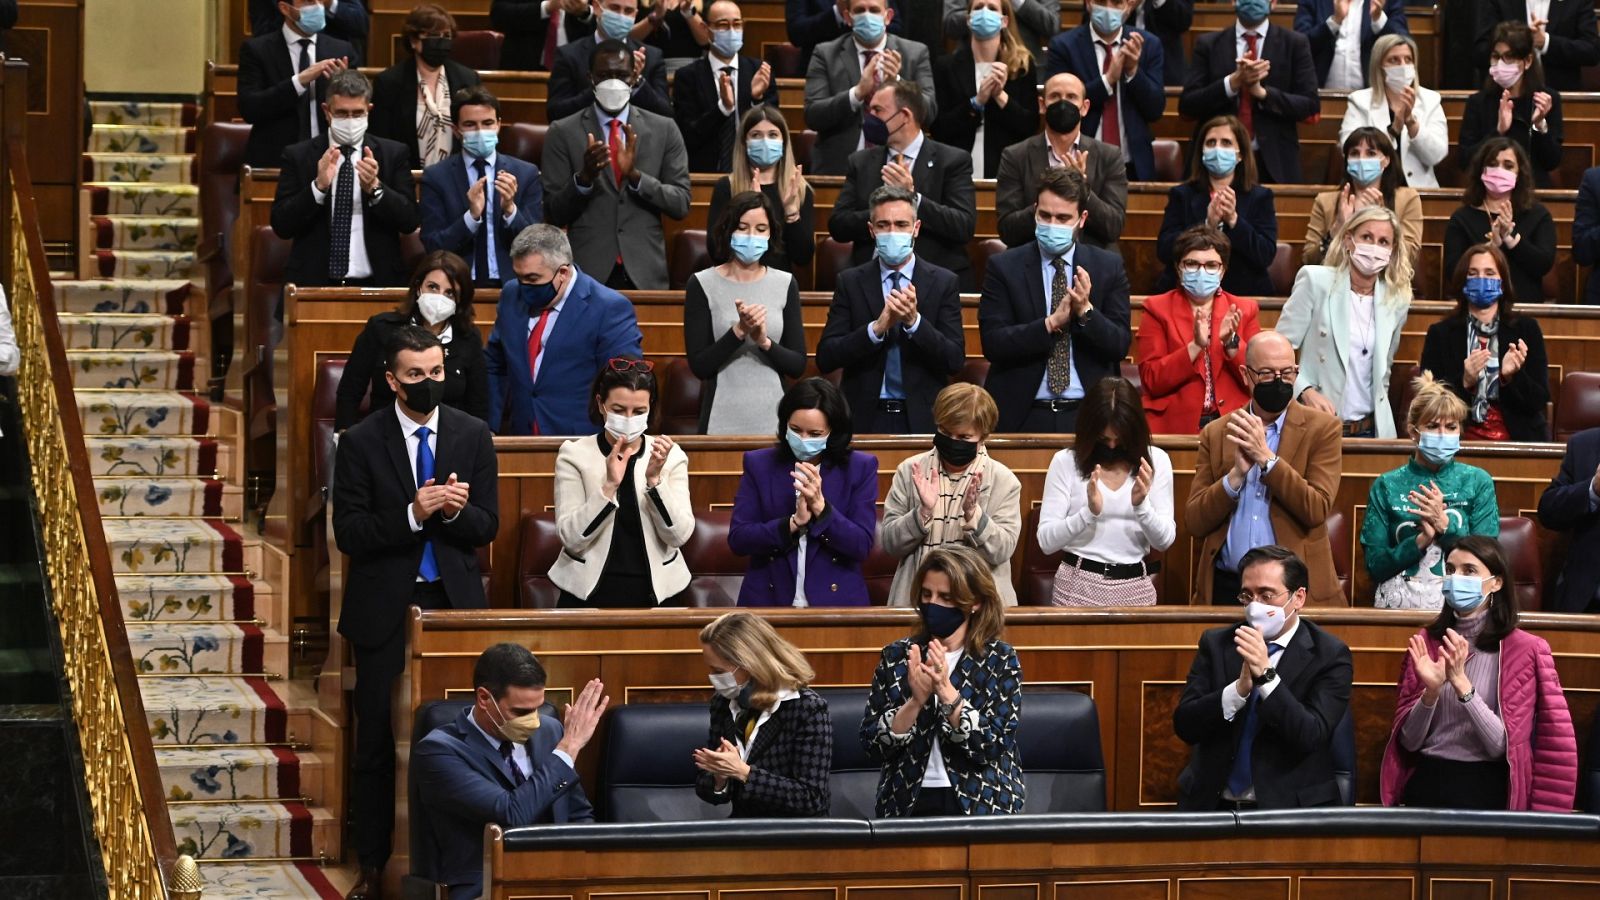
893, 377
517, 778
429, 570
1240, 779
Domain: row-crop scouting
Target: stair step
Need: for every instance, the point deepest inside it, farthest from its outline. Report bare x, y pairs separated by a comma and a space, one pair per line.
155, 265
132, 332
168, 546
165, 168
279, 881
203, 648
141, 412
229, 773
170, 233
163, 139
216, 709
123, 295
154, 370
167, 497
243, 830
153, 456
136, 199
133, 112
185, 598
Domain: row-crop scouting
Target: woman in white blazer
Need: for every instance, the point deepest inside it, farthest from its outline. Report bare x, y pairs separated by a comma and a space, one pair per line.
1396, 103
622, 502
1344, 318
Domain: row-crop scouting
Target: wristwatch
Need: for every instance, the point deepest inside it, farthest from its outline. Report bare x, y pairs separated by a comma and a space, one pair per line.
1267, 677
945, 709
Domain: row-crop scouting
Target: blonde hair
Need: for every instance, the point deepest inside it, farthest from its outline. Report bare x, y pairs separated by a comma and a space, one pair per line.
1396, 276
961, 403
749, 642
742, 177
1375, 79
971, 585
1013, 52
1433, 402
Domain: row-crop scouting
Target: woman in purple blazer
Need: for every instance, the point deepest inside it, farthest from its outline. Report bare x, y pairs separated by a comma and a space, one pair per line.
805, 512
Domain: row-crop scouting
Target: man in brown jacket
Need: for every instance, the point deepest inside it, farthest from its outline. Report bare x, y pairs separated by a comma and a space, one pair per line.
1266, 474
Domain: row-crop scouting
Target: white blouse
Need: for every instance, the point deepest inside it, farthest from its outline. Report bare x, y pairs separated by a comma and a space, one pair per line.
1357, 403
1122, 533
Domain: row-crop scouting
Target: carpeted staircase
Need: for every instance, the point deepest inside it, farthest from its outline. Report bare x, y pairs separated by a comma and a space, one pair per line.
207, 640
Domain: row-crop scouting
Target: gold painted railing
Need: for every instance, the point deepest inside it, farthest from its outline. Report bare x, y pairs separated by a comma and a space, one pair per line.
130, 816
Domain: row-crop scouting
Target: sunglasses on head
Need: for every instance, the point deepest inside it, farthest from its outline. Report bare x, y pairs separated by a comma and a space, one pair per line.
620, 364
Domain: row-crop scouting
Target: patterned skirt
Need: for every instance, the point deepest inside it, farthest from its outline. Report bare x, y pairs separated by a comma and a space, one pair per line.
1075, 587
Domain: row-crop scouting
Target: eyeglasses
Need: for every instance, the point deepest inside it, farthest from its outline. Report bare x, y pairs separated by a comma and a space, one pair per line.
622, 364
1275, 374
1264, 596
1191, 266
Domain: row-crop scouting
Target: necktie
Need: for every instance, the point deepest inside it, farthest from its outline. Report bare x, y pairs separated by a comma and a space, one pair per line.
535, 342
868, 58
308, 117
730, 126
429, 570
615, 141
517, 778
480, 249
1247, 110
343, 211
1240, 779
1058, 370
893, 374
1109, 129
548, 59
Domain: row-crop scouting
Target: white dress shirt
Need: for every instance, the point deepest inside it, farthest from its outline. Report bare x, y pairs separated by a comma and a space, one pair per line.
935, 775
1102, 46
519, 752
359, 265
717, 65
1540, 9
550, 323
294, 38
409, 429
1363, 339
1345, 73
1122, 533
490, 204
1047, 269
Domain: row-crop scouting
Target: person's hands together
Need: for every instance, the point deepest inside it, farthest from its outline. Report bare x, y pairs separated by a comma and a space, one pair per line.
1516, 357
1456, 652
1252, 648
1503, 113
367, 171
456, 496
927, 485
969, 500
505, 190
1430, 671
760, 81
478, 197
617, 467
1541, 106
723, 762
596, 157
328, 168
1078, 294
1141, 482
919, 674
1097, 503
660, 446
429, 499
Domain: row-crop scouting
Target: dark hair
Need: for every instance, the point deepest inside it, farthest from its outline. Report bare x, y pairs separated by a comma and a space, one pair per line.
1201, 237
472, 95
414, 338
1503, 613
1244, 174
634, 378
1295, 575
1067, 183
1518, 38
722, 230
507, 665
1458, 282
890, 193
1474, 192
1393, 174
1112, 402
425, 18
908, 96
455, 268
820, 394
611, 46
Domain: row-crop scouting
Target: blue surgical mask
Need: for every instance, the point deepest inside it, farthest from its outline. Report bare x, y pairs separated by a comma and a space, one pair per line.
727, 43
1219, 161
1053, 239
615, 25
313, 18
1365, 171
893, 246
1252, 11
868, 27
1482, 292
480, 144
806, 449
1200, 283
1438, 448
748, 247
1464, 593
985, 23
764, 152
1105, 20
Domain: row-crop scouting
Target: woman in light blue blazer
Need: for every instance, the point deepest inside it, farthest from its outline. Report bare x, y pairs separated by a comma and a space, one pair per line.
1344, 318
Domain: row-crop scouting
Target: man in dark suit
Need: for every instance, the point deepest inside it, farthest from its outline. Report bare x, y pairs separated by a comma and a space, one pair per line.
499, 762
536, 30
1063, 143
283, 78
938, 176
844, 74
430, 33
1264, 75
1120, 70
1054, 315
894, 326
553, 331
1586, 233
345, 198
1571, 504
1342, 33
711, 95
572, 83
1168, 20
1565, 39
462, 192
414, 498
344, 19
1263, 699
810, 23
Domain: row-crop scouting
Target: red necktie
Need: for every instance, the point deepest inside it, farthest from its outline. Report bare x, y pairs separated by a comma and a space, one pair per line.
535, 342
616, 148
1108, 117
549, 57
1247, 112
868, 58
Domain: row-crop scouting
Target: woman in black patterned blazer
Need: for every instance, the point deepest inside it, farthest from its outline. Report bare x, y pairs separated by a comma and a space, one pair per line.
945, 702
771, 742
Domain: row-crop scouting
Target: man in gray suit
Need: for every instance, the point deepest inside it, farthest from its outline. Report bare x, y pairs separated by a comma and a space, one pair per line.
1037, 20
1062, 144
846, 72
611, 171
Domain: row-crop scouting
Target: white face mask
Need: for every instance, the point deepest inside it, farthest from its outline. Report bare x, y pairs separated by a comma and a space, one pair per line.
1398, 78
435, 308
1266, 618
348, 132
613, 95
726, 686
629, 428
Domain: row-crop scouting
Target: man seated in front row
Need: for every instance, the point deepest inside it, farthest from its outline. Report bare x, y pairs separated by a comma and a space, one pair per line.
1262, 740
500, 761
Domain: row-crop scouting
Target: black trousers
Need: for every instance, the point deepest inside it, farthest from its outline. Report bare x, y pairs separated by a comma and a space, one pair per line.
1044, 421
378, 669
936, 802
619, 280
1225, 587
875, 421
1449, 784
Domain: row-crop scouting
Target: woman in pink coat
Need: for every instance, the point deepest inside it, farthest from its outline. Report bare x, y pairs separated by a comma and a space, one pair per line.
1481, 722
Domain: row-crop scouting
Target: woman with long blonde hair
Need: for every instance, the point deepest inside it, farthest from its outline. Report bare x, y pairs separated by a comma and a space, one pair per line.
986, 90
763, 160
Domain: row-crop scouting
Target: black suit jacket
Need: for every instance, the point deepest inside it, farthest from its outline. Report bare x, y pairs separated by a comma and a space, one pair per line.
1564, 506
526, 30
1574, 41
296, 215
1169, 23
1291, 94
955, 83
571, 91
928, 357
1016, 191
350, 24
394, 101
1523, 398
708, 135
374, 482
948, 211
267, 98
1011, 316
789, 761
1292, 757
813, 22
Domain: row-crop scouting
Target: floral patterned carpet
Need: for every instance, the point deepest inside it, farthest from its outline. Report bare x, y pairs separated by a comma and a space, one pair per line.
202, 633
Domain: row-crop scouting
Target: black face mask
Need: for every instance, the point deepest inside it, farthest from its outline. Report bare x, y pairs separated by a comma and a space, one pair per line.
423, 397
435, 50
954, 452
1062, 116
1273, 396
1106, 457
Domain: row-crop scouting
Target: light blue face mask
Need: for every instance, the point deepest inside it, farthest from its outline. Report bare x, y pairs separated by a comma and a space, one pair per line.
1106, 20
893, 246
615, 25
868, 27
1464, 593
313, 18
1200, 283
764, 152
1053, 239
1219, 161
1365, 171
1438, 448
985, 23
727, 43
748, 247
479, 144
1252, 11
806, 449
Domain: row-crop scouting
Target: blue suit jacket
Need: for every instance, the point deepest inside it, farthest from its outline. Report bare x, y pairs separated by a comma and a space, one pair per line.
1254, 237
1586, 232
444, 205
1311, 20
1564, 506
837, 545
596, 324
463, 784
1140, 100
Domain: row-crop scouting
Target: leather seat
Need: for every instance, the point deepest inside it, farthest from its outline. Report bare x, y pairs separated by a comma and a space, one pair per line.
784, 60
1169, 160
689, 255
269, 254
980, 252
1339, 537
879, 568
680, 400
853, 776
1282, 270
1520, 539
1589, 773
832, 258
974, 371
1344, 758
324, 407
647, 773
541, 544
1402, 390
717, 572
1059, 742
478, 49
221, 154
1038, 567
1578, 406
523, 140
801, 143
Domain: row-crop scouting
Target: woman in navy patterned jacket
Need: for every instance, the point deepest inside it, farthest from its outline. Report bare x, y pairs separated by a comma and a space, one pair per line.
946, 701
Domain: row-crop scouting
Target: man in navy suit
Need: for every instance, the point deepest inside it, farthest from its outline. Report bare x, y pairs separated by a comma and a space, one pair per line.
711, 95
1586, 232
282, 78
553, 331
894, 326
499, 762
1054, 315
346, 20
1121, 69
1342, 33
572, 90
462, 192
1571, 504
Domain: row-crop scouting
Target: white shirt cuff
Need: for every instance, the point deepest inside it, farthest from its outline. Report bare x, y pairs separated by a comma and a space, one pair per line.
1271, 464
1380, 21
1594, 499
544, 9
873, 336
562, 755
1546, 45
300, 87
1264, 691
510, 217
449, 519
471, 223
912, 328
585, 191
1227, 88
318, 194
1231, 701
411, 517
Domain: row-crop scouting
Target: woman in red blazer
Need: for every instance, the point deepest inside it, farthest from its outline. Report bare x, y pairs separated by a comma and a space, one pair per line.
1191, 371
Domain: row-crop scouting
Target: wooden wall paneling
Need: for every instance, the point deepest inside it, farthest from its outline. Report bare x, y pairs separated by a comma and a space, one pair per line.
49, 35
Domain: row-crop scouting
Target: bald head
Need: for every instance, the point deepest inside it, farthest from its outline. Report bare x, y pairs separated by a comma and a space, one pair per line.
1065, 86
1269, 350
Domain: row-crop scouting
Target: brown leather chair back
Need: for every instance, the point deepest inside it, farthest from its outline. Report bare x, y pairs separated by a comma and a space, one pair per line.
523, 140
801, 143
1520, 539
680, 400
324, 404
689, 255
220, 158
784, 60
879, 569
980, 253
1282, 270
541, 545
1578, 406
1038, 567
1339, 537
974, 371
1169, 160
269, 254
716, 573
1402, 390
411, 249
478, 49
832, 258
